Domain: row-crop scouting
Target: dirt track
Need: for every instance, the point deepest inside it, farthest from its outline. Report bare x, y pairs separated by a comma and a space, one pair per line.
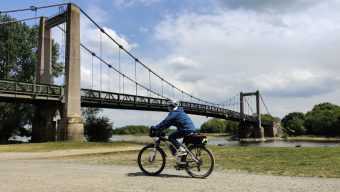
46, 175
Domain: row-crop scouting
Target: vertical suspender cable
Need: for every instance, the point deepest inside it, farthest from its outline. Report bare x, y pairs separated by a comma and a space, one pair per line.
136, 74
150, 82
173, 93
101, 63
162, 88
92, 72
123, 83
119, 67
108, 78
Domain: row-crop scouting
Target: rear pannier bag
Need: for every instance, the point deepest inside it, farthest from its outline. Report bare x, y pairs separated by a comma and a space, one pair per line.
196, 139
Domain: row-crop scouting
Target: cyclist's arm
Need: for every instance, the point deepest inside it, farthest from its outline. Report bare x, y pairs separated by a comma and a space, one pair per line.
167, 122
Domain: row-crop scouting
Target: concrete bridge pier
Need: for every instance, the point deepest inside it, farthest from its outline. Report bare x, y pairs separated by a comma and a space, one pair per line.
43, 129
71, 125
44, 111
73, 121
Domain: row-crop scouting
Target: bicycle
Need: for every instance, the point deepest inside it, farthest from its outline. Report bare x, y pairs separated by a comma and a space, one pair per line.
199, 161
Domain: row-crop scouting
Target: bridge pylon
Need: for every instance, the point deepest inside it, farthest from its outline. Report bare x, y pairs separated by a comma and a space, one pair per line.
71, 126
258, 129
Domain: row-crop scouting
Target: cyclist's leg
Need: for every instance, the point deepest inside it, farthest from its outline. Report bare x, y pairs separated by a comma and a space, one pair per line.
177, 135
174, 136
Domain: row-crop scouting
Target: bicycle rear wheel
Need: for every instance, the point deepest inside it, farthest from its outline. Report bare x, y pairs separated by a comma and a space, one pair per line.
206, 161
151, 161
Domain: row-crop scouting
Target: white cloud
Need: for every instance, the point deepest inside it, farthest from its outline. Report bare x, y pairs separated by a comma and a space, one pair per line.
285, 54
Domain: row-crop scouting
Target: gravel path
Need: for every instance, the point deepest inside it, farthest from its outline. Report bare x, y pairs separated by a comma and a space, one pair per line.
46, 176
60, 153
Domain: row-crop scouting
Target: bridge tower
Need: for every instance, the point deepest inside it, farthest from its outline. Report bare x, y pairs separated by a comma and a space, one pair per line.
71, 126
258, 129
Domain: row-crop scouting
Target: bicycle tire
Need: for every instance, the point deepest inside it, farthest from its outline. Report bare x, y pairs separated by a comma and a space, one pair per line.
141, 160
191, 164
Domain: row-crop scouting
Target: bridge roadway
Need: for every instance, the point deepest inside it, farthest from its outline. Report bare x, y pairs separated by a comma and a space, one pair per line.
12, 91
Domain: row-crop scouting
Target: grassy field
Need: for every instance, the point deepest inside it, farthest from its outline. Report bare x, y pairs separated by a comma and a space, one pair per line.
311, 162
62, 145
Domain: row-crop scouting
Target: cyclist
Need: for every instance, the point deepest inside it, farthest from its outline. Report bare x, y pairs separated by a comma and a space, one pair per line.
177, 117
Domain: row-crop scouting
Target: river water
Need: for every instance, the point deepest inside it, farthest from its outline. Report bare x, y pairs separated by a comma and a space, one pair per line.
220, 141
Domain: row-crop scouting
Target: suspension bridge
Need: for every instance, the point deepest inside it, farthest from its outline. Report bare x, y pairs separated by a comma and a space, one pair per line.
137, 88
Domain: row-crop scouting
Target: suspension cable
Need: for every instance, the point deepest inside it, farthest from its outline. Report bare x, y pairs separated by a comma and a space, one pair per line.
264, 104
245, 98
32, 8
21, 20
130, 54
110, 66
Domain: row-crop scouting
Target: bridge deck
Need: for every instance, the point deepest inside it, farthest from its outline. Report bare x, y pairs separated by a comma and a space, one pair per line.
11, 91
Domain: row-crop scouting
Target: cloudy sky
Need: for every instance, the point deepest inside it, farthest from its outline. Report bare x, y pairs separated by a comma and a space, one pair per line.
213, 49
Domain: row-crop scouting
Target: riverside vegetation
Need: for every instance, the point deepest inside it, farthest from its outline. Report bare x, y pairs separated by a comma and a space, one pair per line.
311, 162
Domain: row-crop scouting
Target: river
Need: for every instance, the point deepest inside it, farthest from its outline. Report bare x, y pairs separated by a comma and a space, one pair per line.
220, 141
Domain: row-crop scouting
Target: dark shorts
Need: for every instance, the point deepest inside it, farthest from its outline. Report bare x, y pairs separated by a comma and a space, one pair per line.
177, 135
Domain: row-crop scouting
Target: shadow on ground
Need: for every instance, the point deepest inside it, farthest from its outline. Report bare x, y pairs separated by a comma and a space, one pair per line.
138, 174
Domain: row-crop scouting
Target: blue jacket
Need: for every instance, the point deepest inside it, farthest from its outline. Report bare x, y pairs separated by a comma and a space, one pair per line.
179, 119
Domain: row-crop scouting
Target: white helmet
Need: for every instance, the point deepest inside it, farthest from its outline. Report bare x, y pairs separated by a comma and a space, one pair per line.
173, 102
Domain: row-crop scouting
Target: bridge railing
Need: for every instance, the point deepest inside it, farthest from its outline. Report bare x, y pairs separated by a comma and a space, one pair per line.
119, 100
21, 90
96, 98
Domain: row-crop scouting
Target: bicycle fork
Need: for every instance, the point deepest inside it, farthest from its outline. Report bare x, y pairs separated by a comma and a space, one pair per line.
152, 156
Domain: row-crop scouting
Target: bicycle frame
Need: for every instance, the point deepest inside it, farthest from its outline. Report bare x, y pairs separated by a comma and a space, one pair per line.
199, 161
167, 142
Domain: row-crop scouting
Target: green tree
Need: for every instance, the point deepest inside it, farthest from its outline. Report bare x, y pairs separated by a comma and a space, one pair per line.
18, 58
293, 123
324, 119
132, 130
97, 129
213, 126
268, 117
231, 127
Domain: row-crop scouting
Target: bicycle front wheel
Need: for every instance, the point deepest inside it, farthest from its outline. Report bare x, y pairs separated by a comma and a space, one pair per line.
151, 160
202, 163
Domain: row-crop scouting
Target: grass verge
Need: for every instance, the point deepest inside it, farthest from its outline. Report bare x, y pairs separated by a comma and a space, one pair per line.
311, 162
62, 145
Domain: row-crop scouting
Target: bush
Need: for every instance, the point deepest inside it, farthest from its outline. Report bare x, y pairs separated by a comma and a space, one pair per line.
98, 129
293, 123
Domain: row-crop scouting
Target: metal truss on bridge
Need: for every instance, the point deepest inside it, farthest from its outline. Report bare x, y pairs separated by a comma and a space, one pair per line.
12, 91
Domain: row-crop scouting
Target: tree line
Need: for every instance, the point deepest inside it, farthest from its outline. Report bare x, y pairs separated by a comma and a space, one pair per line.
322, 120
